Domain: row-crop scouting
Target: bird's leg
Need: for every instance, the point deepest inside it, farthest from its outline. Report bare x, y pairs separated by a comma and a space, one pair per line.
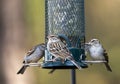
55, 59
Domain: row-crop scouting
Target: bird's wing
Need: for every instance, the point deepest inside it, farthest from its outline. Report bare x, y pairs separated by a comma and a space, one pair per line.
105, 54
31, 51
59, 49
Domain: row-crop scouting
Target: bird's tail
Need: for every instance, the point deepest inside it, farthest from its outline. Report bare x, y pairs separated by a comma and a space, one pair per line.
108, 67
22, 70
74, 62
52, 71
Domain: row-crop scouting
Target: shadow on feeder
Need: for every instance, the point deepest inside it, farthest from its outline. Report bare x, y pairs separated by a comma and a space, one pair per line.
77, 53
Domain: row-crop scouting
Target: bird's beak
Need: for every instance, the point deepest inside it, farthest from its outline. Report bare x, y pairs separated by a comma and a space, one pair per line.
48, 36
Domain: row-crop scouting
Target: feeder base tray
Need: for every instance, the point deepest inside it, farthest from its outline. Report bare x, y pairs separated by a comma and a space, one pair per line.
60, 65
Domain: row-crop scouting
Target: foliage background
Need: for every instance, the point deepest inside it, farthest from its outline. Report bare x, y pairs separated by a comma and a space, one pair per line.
102, 21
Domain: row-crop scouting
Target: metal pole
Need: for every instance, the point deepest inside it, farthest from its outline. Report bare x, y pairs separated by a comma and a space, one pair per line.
73, 76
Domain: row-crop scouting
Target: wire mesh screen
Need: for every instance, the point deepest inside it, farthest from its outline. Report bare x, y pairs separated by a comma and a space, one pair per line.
66, 17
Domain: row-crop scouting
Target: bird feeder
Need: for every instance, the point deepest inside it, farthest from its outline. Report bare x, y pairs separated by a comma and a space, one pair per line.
65, 18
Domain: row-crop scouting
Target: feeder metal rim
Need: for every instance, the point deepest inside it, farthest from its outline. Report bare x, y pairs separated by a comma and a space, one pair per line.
33, 64
97, 61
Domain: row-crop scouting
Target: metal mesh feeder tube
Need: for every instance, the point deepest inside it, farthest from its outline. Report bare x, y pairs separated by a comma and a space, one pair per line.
65, 18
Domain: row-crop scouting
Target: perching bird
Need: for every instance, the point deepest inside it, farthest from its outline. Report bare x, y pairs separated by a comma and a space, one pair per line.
33, 56
97, 52
59, 50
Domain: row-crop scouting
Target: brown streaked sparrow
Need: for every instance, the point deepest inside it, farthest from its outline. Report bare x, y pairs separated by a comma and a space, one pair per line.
33, 56
59, 50
97, 52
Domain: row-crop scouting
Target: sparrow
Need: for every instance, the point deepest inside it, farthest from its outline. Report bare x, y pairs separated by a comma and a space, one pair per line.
97, 52
59, 50
33, 56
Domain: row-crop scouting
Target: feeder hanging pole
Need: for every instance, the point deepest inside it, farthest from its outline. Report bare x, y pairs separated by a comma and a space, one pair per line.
73, 76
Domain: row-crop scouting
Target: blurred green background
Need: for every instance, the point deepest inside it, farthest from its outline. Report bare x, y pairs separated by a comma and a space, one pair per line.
102, 21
